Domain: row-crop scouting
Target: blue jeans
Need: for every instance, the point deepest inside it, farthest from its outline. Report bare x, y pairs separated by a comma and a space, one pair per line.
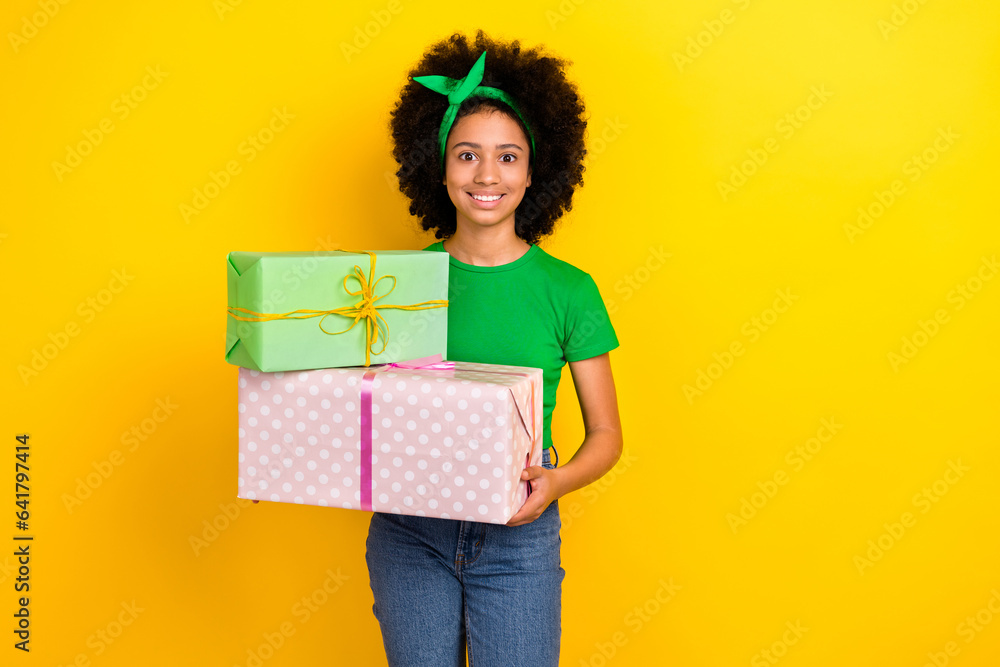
443, 587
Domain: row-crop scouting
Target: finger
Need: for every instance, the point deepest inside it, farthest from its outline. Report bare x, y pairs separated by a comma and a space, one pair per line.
529, 517
516, 519
526, 518
532, 472
519, 515
531, 506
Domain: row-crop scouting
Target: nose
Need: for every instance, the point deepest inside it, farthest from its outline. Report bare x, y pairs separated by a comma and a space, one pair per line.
488, 172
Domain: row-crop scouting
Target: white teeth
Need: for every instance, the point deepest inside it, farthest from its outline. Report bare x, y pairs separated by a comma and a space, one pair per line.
480, 198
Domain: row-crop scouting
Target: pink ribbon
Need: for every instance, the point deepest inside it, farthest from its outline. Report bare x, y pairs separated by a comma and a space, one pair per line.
433, 363
424, 363
366, 440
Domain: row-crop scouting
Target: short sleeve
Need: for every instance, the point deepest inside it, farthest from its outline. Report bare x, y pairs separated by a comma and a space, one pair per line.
589, 332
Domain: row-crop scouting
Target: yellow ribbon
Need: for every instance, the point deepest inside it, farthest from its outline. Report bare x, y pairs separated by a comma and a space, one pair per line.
364, 309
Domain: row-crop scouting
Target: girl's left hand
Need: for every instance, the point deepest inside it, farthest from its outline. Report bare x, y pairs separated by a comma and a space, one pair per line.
545, 487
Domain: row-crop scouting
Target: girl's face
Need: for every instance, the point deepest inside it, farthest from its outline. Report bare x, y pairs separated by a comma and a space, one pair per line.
486, 157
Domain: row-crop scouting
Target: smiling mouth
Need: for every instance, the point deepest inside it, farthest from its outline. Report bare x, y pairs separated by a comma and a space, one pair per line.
481, 198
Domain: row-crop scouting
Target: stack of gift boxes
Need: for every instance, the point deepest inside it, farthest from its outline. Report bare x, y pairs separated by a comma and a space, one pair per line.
345, 399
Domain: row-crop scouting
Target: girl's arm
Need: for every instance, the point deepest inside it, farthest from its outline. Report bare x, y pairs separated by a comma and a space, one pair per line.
601, 448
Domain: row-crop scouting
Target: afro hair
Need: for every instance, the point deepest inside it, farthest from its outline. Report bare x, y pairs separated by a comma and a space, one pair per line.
550, 104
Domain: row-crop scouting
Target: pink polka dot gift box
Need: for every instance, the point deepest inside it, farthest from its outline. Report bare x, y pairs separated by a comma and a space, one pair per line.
425, 438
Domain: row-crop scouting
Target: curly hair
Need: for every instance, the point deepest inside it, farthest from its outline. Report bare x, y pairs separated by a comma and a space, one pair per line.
550, 104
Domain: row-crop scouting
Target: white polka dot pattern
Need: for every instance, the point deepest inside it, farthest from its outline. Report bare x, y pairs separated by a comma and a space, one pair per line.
444, 444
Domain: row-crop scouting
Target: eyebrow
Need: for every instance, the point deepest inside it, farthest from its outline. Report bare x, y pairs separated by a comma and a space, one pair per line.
478, 147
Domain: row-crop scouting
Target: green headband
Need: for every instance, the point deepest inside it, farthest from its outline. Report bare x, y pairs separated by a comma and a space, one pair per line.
458, 90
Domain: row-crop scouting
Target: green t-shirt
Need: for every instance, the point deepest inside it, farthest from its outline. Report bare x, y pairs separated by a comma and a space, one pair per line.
537, 311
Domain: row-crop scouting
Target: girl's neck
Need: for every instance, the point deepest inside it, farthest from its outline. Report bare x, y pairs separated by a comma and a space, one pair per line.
485, 246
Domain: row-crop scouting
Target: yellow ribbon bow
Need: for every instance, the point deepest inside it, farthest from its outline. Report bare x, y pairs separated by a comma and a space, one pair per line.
362, 310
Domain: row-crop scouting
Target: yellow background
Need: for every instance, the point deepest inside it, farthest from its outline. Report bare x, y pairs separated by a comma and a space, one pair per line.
664, 132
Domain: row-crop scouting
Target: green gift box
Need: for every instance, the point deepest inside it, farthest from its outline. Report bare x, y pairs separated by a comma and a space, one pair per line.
326, 309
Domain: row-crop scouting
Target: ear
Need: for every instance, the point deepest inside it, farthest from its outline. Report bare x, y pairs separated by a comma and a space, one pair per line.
528, 183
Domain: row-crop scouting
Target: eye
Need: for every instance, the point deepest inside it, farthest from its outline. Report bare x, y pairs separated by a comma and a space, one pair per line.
461, 156
510, 155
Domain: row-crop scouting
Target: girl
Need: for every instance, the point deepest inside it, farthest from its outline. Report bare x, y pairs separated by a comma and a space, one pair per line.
489, 139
